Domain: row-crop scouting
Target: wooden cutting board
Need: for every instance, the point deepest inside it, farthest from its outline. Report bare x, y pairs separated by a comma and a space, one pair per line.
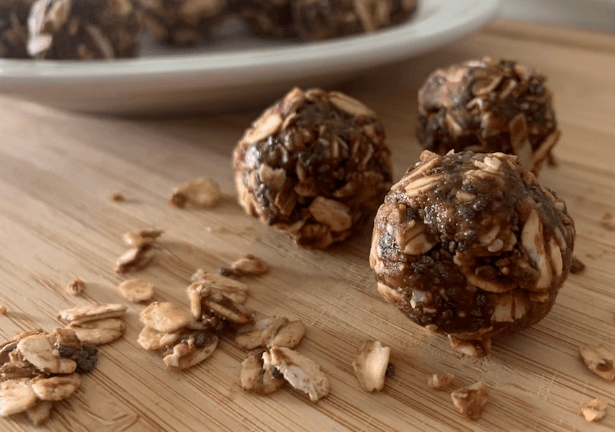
57, 171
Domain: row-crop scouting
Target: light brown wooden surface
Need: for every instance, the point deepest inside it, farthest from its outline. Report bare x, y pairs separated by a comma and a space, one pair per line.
57, 171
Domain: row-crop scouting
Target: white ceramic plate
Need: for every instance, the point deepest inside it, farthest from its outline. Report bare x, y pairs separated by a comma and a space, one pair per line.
235, 68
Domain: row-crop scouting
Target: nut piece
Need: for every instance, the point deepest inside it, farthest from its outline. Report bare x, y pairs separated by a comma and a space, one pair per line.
314, 165
440, 381
192, 351
39, 352
370, 365
15, 396
599, 360
227, 309
593, 410
56, 388
134, 259
142, 238
136, 290
99, 332
301, 372
151, 339
488, 106
39, 413
258, 379
164, 317
76, 287
200, 192
473, 348
92, 312
212, 283
246, 265
471, 400
271, 331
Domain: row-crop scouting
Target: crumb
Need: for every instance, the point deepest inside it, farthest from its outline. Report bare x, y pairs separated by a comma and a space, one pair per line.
577, 266
76, 287
608, 221
3, 310
440, 381
593, 410
117, 196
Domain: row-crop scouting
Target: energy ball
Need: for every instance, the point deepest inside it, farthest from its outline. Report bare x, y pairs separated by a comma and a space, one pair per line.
488, 106
470, 245
314, 165
184, 22
268, 18
326, 19
14, 28
84, 29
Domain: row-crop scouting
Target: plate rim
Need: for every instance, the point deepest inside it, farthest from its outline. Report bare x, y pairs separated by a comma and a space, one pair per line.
355, 51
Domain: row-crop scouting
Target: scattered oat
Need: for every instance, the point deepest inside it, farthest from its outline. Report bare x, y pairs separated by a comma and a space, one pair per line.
153, 340
16, 396
76, 287
233, 289
37, 350
440, 381
301, 372
256, 378
117, 196
134, 259
608, 221
599, 360
200, 192
191, 351
56, 388
246, 265
39, 413
593, 410
472, 348
271, 331
471, 400
3, 310
577, 266
142, 238
370, 365
92, 312
136, 290
99, 332
164, 317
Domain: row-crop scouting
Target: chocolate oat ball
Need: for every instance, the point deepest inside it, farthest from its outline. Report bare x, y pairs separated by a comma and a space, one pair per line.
14, 28
314, 165
268, 18
85, 29
470, 245
326, 19
488, 106
184, 22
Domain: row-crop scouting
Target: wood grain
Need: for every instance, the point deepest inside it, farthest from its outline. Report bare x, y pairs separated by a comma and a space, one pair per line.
58, 170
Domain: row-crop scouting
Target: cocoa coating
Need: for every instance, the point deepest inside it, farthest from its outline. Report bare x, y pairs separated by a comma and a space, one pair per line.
314, 165
14, 28
85, 29
471, 245
184, 22
488, 106
327, 19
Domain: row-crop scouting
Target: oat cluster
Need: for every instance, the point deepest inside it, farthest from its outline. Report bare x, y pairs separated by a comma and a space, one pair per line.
314, 166
472, 246
39, 368
488, 106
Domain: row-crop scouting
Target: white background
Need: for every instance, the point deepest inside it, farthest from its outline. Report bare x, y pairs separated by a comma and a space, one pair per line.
591, 14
